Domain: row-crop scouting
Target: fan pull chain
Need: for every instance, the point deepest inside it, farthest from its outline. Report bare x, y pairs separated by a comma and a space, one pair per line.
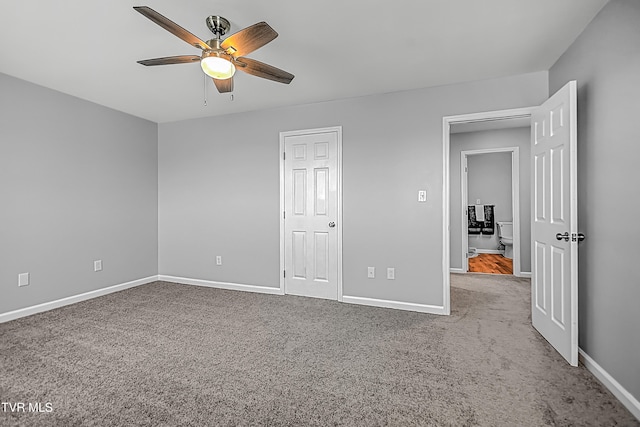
204, 85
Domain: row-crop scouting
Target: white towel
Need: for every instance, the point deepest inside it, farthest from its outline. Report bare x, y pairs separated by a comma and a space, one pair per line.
480, 213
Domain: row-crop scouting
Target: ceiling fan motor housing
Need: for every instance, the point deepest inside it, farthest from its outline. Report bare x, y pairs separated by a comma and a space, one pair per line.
218, 25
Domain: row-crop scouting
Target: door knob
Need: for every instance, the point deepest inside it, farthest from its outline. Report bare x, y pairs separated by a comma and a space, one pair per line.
332, 224
564, 236
581, 237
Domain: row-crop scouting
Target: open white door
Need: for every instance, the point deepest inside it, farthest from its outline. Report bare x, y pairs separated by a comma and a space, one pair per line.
554, 226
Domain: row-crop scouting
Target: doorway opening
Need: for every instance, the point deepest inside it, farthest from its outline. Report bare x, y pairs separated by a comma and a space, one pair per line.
554, 223
490, 181
469, 120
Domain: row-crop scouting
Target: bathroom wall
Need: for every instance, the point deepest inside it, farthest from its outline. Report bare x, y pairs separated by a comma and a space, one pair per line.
489, 180
497, 138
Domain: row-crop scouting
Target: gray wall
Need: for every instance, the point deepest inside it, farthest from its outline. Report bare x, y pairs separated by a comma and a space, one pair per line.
489, 180
78, 182
219, 186
514, 137
605, 60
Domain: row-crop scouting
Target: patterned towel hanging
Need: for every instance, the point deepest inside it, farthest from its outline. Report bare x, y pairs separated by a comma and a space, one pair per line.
488, 223
481, 227
475, 227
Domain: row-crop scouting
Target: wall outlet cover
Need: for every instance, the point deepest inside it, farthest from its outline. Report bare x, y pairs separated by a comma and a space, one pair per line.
391, 273
23, 279
97, 265
371, 272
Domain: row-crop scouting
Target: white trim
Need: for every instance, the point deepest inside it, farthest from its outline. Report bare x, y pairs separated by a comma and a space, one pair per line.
447, 121
338, 131
489, 251
281, 213
487, 116
398, 305
46, 306
464, 221
626, 398
221, 285
456, 270
446, 226
526, 274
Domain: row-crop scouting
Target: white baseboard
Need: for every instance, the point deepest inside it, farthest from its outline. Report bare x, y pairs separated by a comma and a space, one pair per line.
630, 402
489, 251
28, 311
456, 270
422, 308
222, 285
526, 274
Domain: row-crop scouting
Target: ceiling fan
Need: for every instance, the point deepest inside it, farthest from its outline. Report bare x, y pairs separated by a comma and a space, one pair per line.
220, 58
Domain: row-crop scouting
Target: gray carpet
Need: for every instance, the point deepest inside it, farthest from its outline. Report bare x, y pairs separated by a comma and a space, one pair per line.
178, 355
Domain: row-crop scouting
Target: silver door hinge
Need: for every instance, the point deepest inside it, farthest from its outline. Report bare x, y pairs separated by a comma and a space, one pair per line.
284, 156
284, 273
284, 214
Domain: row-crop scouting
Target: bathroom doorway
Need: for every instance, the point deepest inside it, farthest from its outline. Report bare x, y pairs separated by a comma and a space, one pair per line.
490, 196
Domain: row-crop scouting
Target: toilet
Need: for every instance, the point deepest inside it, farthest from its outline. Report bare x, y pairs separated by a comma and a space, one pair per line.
505, 233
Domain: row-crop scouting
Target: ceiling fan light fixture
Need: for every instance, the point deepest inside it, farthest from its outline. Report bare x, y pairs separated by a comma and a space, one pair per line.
216, 66
218, 59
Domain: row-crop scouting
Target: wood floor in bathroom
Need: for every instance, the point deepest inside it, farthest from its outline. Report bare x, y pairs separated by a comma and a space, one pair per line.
490, 263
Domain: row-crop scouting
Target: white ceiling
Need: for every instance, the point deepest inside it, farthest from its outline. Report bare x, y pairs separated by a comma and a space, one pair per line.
335, 48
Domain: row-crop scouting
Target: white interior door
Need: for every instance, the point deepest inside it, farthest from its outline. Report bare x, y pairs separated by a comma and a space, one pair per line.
554, 233
311, 214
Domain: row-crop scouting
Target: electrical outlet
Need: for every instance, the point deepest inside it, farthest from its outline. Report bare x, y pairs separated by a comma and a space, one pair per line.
97, 265
371, 272
391, 273
218, 260
23, 279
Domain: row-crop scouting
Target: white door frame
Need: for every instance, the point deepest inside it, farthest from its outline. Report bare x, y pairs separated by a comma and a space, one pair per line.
446, 190
515, 202
338, 131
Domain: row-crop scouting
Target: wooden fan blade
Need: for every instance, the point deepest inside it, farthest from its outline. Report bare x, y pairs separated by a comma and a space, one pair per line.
266, 71
167, 60
172, 27
225, 85
251, 38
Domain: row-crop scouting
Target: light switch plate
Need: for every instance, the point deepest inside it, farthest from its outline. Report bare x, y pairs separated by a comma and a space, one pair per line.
422, 195
97, 265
